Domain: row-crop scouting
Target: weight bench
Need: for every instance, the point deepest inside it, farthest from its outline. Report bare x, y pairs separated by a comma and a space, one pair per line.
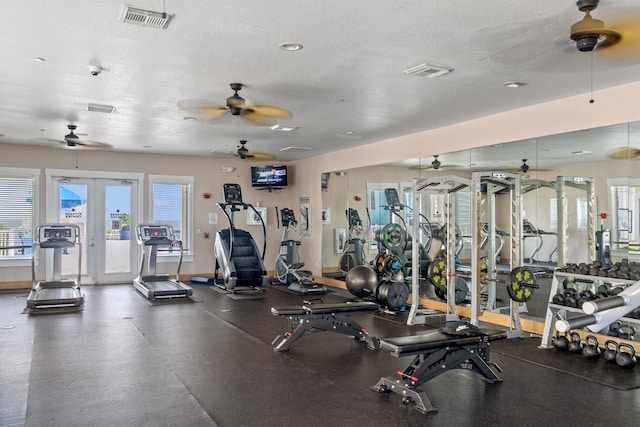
433, 354
310, 318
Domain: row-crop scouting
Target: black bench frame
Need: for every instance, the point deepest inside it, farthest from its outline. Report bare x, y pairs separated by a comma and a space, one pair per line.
312, 318
433, 354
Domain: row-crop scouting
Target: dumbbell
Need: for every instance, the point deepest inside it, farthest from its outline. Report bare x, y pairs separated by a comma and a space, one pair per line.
585, 296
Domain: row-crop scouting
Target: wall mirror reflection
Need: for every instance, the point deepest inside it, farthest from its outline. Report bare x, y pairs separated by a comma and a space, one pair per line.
579, 202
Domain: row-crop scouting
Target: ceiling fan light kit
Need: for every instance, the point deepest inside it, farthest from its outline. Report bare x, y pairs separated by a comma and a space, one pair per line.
590, 33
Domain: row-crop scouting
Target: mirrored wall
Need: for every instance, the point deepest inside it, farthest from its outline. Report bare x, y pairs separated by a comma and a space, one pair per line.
571, 186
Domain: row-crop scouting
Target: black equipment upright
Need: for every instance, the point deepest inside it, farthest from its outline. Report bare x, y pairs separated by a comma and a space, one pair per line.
235, 250
288, 266
354, 249
57, 293
153, 238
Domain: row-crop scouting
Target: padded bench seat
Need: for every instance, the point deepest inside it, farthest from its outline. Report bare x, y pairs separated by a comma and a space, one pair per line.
310, 318
433, 354
410, 345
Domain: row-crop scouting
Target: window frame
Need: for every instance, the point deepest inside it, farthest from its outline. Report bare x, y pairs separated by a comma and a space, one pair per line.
189, 181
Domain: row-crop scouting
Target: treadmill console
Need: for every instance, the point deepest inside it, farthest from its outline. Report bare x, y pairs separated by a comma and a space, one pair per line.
287, 217
57, 233
232, 194
149, 232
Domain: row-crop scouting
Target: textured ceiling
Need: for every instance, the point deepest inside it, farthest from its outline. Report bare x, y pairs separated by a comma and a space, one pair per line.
348, 77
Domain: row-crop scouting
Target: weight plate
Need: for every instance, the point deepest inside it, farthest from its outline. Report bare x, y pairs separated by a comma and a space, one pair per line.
393, 294
440, 292
462, 289
393, 236
522, 284
438, 273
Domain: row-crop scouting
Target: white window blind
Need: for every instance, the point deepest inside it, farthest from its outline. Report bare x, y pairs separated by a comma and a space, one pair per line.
18, 198
172, 203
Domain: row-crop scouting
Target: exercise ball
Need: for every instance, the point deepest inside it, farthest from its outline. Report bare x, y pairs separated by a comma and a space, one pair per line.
361, 281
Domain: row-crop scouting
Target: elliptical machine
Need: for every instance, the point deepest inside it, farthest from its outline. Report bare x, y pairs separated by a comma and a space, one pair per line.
237, 254
288, 268
354, 250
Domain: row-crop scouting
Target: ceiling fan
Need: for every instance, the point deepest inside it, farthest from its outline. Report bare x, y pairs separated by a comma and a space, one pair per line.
73, 140
244, 153
591, 34
236, 106
436, 164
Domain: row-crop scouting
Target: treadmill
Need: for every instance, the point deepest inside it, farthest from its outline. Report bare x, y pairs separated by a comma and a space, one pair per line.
58, 293
153, 238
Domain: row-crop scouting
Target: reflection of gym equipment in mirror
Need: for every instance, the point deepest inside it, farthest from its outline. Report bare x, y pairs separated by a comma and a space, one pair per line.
444, 264
57, 293
237, 254
354, 250
154, 238
288, 268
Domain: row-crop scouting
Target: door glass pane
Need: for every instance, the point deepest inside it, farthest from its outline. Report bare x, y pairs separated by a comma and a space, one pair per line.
73, 209
117, 228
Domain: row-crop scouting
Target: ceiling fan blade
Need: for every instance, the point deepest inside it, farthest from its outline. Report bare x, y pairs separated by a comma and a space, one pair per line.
94, 144
430, 167
629, 44
262, 156
254, 118
202, 109
268, 110
623, 153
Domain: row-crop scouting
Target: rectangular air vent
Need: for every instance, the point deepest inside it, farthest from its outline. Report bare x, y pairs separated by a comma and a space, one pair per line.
100, 108
424, 70
145, 18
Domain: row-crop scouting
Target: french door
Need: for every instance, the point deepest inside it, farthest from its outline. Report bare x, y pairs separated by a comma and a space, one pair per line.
106, 208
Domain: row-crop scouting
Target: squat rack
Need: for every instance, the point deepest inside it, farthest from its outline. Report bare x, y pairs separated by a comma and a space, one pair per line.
449, 186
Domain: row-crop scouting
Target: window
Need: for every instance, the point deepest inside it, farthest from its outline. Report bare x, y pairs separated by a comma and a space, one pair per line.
18, 200
172, 203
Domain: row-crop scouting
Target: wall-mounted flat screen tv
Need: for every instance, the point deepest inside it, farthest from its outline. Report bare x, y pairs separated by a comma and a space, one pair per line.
269, 176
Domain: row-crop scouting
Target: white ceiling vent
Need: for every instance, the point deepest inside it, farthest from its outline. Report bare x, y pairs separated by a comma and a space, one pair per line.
145, 18
101, 108
425, 70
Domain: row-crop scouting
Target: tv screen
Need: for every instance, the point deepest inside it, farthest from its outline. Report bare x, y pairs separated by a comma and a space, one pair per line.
269, 176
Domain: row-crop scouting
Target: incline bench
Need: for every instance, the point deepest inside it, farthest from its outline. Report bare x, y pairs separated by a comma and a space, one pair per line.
435, 353
310, 318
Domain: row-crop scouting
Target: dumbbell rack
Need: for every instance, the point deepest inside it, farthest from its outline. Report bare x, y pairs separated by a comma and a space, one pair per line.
554, 311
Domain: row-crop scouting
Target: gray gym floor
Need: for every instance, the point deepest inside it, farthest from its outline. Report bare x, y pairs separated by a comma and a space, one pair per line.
124, 362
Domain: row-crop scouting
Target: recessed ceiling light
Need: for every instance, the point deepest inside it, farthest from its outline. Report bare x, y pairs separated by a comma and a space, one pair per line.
348, 132
40, 59
581, 152
188, 118
513, 84
283, 128
291, 47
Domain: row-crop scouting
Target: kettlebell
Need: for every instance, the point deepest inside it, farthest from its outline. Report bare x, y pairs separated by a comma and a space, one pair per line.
591, 349
560, 342
626, 332
614, 329
625, 359
575, 343
610, 351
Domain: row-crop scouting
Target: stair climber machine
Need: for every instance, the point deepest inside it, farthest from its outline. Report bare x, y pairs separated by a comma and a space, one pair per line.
154, 238
237, 254
354, 250
288, 269
58, 293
